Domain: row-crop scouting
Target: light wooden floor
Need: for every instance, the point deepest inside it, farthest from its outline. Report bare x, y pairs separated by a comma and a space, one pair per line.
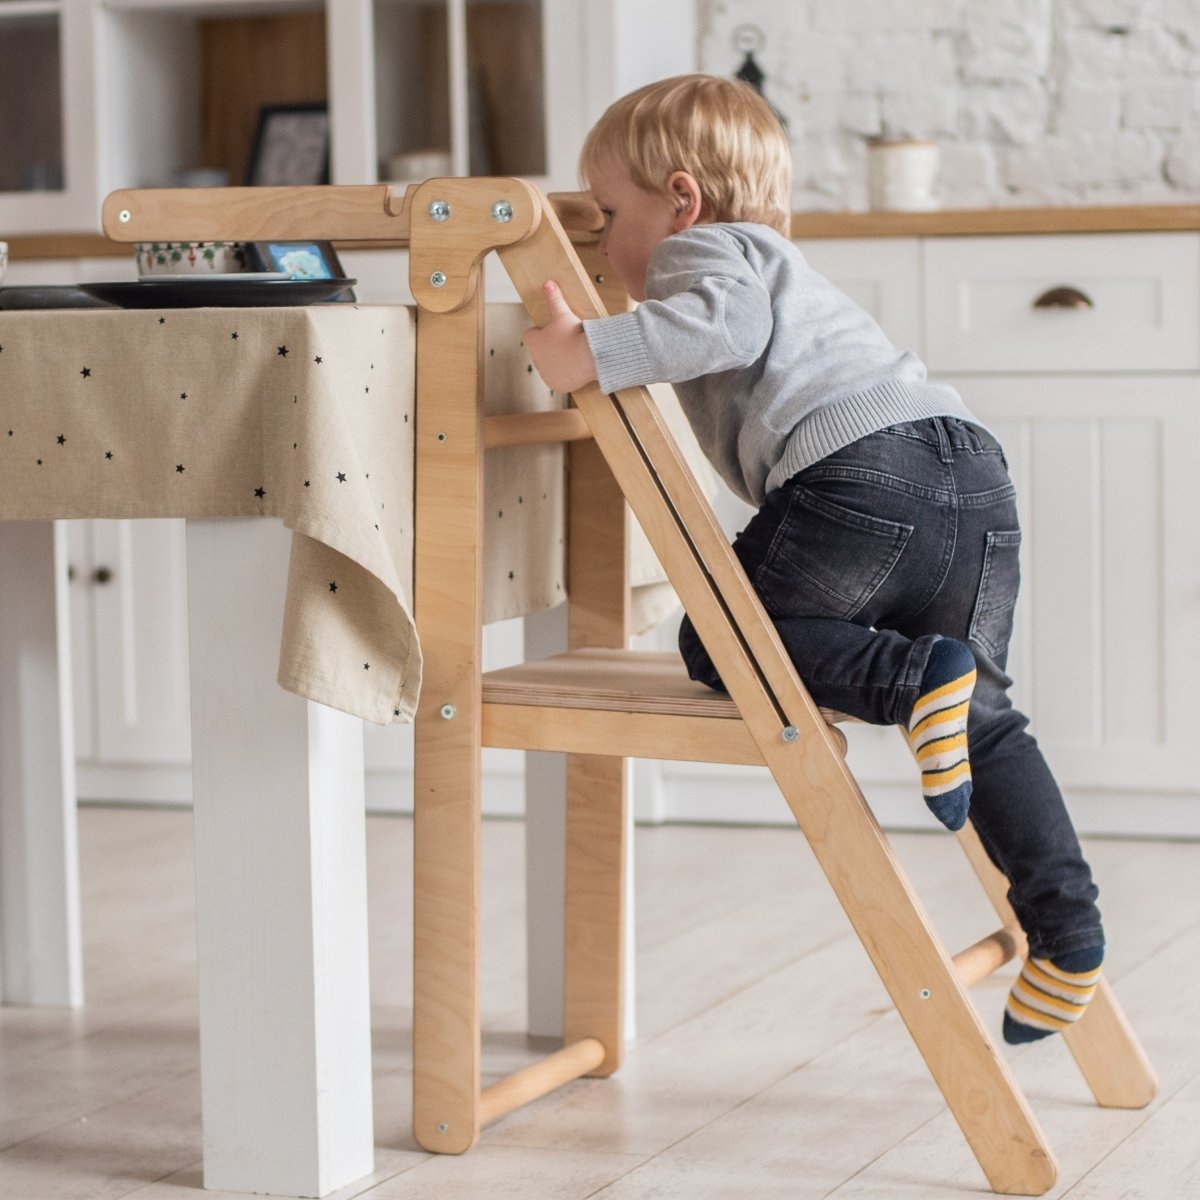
769, 1063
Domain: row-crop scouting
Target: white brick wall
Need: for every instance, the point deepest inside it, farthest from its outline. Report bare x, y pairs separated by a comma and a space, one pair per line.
1032, 101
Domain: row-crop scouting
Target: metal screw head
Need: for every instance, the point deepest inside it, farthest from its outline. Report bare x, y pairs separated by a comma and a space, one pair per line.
502, 211
441, 437
438, 279
439, 210
442, 1127
124, 216
790, 733
925, 993
448, 712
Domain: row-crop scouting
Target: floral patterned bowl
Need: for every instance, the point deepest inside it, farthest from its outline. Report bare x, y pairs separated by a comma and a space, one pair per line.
191, 258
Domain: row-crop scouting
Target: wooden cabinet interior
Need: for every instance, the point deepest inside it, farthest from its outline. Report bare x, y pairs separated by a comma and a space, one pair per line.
248, 62
504, 85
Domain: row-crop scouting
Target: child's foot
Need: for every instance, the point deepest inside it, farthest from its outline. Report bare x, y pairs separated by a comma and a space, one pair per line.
1051, 994
937, 731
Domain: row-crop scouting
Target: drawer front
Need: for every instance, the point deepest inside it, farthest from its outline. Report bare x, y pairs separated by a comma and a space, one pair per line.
997, 304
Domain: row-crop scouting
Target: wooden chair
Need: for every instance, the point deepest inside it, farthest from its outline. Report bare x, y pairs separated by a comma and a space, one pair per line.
600, 703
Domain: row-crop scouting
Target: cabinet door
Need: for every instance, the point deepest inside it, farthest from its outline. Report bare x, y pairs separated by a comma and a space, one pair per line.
1108, 624
139, 645
48, 168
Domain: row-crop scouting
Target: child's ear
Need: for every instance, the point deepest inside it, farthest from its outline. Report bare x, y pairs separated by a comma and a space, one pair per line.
685, 195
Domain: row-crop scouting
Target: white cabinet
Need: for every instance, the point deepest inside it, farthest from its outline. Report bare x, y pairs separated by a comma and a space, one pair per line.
128, 591
1087, 302
49, 129
1108, 623
1097, 401
134, 93
1098, 407
104, 94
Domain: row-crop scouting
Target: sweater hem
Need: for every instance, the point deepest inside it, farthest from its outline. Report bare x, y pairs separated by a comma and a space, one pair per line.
835, 426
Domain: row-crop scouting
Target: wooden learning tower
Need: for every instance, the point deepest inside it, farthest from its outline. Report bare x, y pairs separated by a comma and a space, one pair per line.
600, 702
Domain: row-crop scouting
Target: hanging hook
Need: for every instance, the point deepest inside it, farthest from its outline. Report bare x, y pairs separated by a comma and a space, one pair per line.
747, 39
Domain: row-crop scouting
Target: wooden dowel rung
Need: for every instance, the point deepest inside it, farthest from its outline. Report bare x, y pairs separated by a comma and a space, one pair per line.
529, 1084
536, 428
989, 954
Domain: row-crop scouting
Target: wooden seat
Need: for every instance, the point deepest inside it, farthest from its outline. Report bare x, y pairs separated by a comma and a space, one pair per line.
633, 703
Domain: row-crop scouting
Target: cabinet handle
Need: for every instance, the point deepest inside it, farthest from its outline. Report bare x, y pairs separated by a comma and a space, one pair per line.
1064, 297
102, 575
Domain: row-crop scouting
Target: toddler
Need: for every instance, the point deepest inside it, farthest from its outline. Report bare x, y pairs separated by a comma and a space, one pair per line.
884, 546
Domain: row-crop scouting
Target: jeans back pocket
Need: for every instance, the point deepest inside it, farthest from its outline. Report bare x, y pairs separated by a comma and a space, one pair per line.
827, 560
999, 582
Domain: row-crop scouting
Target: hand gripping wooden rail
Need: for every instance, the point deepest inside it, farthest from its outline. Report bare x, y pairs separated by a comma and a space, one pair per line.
599, 702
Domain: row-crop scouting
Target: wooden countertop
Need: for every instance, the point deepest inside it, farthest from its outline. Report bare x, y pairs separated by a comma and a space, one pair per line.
982, 222
946, 223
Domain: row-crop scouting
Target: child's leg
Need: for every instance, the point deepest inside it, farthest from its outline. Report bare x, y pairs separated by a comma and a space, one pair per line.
937, 730
883, 678
1019, 814
862, 565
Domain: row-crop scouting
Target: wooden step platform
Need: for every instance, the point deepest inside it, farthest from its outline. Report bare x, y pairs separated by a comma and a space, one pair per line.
637, 704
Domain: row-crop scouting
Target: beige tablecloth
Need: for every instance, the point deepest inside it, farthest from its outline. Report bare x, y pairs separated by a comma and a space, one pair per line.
305, 414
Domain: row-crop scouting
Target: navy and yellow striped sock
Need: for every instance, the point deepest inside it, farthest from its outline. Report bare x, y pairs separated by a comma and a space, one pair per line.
1051, 994
937, 731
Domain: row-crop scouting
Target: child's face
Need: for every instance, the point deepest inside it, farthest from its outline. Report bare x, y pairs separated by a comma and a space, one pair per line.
635, 221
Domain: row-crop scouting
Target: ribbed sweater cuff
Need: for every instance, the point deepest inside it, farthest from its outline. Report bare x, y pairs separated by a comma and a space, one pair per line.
622, 358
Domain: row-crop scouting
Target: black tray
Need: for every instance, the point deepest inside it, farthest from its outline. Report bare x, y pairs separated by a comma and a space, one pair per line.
217, 293
47, 296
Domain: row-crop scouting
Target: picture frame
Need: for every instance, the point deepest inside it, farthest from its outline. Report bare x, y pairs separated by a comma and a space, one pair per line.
299, 260
291, 146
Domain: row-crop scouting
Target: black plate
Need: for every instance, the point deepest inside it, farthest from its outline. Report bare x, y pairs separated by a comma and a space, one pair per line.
217, 293
47, 296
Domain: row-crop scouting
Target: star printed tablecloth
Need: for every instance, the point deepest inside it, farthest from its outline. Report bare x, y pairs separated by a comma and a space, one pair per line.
304, 414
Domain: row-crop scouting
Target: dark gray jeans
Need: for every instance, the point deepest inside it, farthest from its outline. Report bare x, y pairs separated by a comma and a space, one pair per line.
862, 560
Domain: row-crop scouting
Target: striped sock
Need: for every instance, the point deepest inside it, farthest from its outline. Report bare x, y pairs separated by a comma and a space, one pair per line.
937, 731
1051, 994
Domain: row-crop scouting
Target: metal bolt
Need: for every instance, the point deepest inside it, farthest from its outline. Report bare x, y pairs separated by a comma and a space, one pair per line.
790, 733
442, 1127
438, 279
925, 993
502, 211
124, 216
439, 210
599, 278
448, 712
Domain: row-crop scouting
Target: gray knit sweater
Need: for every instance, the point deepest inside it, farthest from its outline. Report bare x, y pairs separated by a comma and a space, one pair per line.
774, 367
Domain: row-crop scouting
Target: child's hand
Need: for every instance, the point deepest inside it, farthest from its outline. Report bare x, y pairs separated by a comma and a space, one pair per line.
559, 349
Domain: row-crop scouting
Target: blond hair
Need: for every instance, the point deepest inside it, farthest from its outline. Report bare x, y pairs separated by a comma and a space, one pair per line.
720, 131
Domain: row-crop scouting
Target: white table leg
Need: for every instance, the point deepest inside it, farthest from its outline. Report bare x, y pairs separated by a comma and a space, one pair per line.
281, 888
40, 960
